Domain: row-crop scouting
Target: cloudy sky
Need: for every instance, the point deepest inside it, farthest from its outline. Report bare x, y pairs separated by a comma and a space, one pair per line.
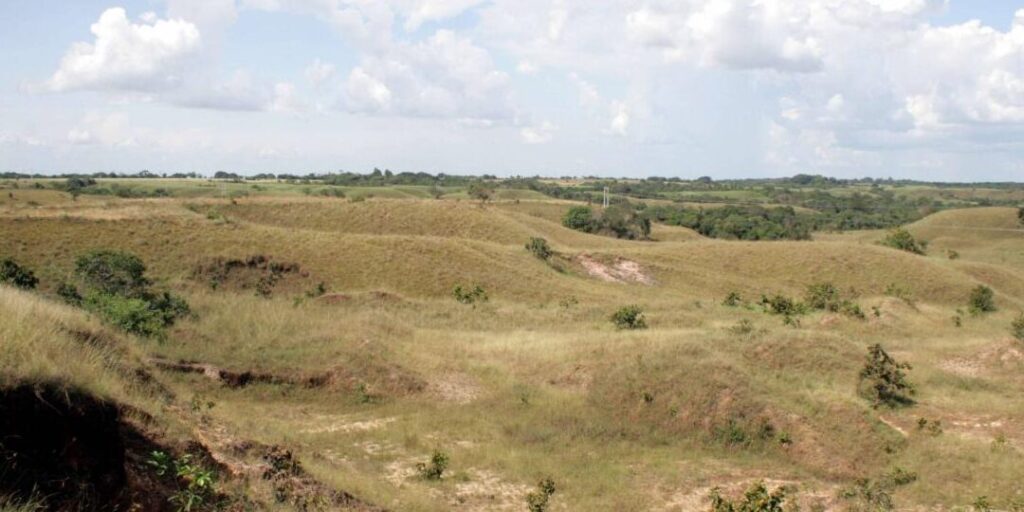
729, 88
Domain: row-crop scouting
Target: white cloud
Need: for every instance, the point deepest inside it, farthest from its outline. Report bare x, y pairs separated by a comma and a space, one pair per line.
366, 93
319, 72
446, 75
126, 56
620, 119
425, 11
540, 134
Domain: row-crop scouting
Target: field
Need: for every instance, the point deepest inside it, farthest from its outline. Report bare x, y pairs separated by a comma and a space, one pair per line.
362, 363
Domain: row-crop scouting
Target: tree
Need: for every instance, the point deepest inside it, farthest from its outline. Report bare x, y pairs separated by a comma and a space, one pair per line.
883, 380
580, 218
113, 272
16, 275
480, 191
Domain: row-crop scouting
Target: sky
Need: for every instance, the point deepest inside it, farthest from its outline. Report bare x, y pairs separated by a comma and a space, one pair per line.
920, 89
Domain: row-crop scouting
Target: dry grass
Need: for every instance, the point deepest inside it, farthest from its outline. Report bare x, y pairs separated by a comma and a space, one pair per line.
537, 381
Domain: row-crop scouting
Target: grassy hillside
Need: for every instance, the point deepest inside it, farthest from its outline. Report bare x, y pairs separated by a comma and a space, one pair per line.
368, 376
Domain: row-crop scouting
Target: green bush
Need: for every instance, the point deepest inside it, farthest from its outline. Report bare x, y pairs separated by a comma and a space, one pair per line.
732, 300
113, 272
883, 380
1020, 214
435, 468
1017, 328
69, 294
982, 300
118, 290
823, 296
902, 239
539, 247
580, 218
132, 315
629, 317
195, 484
15, 275
779, 304
469, 296
537, 501
755, 499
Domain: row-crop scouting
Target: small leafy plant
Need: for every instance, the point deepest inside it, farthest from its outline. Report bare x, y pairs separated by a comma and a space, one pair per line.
732, 300
629, 317
195, 484
435, 468
537, 501
469, 295
755, 499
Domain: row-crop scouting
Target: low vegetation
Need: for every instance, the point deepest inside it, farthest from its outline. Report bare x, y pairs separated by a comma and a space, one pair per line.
117, 289
982, 300
359, 362
755, 499
615, 221
15, 275
883, 380
902, 239
629, 317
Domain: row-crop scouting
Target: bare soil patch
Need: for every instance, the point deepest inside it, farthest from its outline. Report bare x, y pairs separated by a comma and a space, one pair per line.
616, 270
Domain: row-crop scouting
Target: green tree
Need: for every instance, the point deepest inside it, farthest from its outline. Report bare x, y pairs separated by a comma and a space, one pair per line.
580, 218
113, 272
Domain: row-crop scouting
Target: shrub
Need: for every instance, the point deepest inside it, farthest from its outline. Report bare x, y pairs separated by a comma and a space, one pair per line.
195, 484
883, 380
982, 300
537, 501
539, 247
434, 469
1020, 214
755, 499
113, 272
1017, 328
902, 239
118, 290
823, 296
469, 296
782, 305
480, 191
876, 495
15, 275
132, 315
69, 294
732, 300
580, 218
629, 317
